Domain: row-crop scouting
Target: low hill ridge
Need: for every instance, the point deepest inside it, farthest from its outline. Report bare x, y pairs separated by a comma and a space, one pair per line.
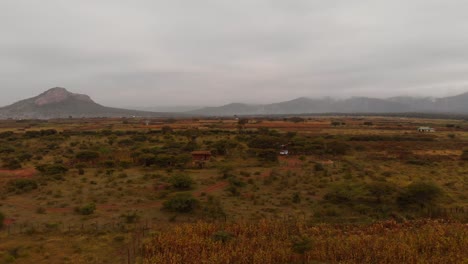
302, 105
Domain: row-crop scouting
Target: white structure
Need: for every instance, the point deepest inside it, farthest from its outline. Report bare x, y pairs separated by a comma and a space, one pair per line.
426, 129
284, 152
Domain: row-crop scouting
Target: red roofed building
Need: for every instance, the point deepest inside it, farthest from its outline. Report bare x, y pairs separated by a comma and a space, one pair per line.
201, 155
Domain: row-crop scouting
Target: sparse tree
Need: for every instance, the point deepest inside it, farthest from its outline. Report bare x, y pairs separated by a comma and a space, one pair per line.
181, 203
464, 155
166, 130
419, 193
181, 181
87, 156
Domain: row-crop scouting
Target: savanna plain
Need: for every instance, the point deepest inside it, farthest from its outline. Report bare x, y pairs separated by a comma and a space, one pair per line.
302, 189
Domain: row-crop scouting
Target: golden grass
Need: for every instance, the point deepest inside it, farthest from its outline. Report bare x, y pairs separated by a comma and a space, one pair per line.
272, 242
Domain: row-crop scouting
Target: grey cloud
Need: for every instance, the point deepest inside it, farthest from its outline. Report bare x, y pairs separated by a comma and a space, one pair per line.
218, 51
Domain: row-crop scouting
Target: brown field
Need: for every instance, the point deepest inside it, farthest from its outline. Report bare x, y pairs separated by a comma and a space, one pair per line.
68, 182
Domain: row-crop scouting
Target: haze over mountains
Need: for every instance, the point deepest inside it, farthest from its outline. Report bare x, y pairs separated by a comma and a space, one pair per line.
60, 103
455, 104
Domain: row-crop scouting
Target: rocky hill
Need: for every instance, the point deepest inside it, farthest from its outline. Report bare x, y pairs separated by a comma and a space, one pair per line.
60, 103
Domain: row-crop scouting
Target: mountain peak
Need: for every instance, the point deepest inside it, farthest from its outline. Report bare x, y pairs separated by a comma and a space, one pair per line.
58, 102
58, 95
55, 89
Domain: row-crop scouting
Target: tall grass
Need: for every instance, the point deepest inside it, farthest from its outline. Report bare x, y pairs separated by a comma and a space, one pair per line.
276, 242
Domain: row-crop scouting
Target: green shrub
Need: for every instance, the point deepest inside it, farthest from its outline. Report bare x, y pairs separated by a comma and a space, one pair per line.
419, 162
301, 245
232, 189
13, 164
267, 155
225, 171
374, 194
319, 167
21, 185
2, 218
87, 156
6, 150
130, 218
464, 155
181, 181
52, 169
222, 236
234, 181
296, 198
337, 148
86, 209
24, 157
265, 142
419, 193
166, 130
213, 209
181, 203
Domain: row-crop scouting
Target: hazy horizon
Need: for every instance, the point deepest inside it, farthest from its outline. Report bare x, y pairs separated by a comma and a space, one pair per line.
189, 107
214, 52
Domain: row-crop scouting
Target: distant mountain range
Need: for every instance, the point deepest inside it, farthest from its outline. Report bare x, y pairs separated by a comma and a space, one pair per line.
450, 105
60, 103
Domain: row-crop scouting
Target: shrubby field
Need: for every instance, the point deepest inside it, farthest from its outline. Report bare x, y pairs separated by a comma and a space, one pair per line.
350, 190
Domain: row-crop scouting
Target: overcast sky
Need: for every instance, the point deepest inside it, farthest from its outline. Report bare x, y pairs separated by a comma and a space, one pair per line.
211, 52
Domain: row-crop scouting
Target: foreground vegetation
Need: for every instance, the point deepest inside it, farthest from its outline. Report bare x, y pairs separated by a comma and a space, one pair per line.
297, 242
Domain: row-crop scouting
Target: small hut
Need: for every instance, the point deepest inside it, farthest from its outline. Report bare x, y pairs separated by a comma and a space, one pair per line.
201, 155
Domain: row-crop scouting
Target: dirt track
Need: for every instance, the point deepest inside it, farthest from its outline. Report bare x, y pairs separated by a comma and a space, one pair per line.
23, 173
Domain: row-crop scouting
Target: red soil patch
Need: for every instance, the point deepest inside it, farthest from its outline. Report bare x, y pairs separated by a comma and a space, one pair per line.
23, 173
266, 174
213, 188
8, 221
59, 210
291, 162
161, 187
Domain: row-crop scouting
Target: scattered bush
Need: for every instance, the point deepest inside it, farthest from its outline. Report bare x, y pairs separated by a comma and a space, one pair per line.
421, 194
337, 148
181, 181
86, 209
267, 155
21, 185
319, 167
213, 209
296, 198
181, 203
464, 155
52, 169
419, 162
87, 156
2, 218
301, 245
13, 164
222, 236
130, 218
